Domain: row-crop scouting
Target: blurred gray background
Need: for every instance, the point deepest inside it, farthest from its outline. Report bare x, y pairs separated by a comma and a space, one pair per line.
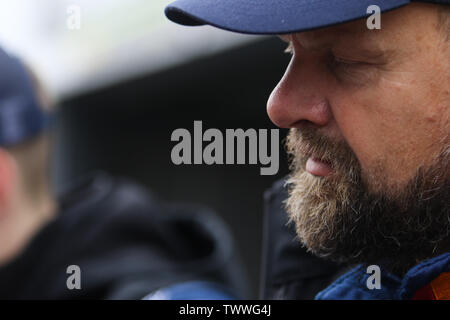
128, 77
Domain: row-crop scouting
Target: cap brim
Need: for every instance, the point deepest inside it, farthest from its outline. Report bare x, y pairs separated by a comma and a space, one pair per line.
272, 16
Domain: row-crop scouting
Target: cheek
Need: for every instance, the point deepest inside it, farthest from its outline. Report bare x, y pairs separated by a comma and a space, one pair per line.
357, 128
388, 126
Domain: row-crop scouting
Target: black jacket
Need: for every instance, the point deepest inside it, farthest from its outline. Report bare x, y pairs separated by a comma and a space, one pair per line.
126, 243
289, 271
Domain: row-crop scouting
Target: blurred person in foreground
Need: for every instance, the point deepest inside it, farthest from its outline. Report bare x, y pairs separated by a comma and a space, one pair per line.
368, 111
121, 240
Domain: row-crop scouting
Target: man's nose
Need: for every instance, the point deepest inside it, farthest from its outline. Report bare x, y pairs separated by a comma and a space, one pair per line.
299, 97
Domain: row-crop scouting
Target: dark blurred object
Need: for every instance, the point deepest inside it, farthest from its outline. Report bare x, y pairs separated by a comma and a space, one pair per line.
126, 131
100, 238
125, 243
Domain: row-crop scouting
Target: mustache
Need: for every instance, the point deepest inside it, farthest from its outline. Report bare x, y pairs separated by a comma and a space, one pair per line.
307, 142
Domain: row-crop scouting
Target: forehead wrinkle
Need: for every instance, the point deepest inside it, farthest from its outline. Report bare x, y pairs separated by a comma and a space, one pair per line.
321, 39
341, 40
312, 41
350, 33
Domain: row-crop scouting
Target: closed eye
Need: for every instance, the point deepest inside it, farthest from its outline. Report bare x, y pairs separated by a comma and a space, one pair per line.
339, 65
351, 71
340, 62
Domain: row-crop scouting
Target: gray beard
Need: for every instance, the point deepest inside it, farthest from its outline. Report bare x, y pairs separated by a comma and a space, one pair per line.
339, 218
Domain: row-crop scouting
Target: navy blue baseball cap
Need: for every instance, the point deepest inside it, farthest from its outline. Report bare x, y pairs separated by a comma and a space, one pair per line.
276, 16
21, 116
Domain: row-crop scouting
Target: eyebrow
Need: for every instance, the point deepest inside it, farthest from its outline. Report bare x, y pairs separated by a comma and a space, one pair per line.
327, 43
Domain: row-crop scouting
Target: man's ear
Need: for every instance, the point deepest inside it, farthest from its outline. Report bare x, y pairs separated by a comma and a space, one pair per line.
7, 178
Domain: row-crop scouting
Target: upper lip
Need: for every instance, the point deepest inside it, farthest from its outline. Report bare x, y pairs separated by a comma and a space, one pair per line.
321, 160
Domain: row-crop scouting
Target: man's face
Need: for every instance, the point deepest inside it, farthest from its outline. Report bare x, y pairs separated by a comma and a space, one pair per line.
369, 140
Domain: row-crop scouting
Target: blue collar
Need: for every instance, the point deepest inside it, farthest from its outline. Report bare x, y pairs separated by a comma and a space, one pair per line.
353, 284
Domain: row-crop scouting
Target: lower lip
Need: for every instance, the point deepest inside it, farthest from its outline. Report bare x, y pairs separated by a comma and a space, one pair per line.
318, 168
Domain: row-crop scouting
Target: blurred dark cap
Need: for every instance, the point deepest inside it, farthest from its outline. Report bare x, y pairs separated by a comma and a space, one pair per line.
276, 16
21, 115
